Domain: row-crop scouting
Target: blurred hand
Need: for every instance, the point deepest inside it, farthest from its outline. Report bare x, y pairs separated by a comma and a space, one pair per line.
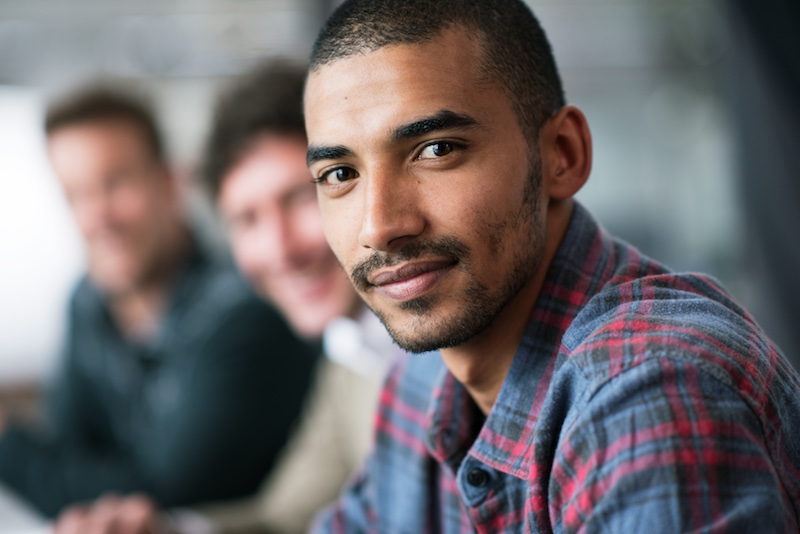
112, 514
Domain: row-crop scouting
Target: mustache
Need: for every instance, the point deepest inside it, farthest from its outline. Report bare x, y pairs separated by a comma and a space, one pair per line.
448, 247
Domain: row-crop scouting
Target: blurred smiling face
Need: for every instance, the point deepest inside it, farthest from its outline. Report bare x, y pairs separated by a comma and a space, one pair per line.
121, 197
269, 204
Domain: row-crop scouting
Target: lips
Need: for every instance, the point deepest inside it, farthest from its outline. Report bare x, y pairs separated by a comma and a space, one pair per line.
411, 280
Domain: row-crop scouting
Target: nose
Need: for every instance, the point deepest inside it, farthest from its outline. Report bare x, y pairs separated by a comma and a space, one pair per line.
392, 213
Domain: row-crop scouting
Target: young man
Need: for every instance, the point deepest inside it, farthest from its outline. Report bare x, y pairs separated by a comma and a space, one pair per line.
170, 360
256, 172
581, 385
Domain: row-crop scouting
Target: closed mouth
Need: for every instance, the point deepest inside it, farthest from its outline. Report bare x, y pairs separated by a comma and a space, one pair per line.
411, 280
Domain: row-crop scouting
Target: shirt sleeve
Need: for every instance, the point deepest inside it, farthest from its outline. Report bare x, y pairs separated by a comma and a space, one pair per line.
236, 396
353, 512
666, 447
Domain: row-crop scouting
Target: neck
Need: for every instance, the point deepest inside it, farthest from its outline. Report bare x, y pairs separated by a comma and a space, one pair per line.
482, 363
138, 311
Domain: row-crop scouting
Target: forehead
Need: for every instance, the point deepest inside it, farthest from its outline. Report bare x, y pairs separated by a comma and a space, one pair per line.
106, 136
373, 93
94, 145
272, 168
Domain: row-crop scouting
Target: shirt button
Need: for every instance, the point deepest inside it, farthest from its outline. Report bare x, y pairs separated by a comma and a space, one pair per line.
477, 477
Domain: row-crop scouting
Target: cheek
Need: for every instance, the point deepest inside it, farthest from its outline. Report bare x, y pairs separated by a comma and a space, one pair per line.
137, 207
460, 207
484, 216
247, 253
87, 216
337, 227
306, 224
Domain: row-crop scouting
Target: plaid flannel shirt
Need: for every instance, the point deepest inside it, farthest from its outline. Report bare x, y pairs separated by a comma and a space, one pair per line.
638, 401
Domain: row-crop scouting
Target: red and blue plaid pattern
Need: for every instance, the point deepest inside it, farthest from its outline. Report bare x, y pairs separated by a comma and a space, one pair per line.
638, 401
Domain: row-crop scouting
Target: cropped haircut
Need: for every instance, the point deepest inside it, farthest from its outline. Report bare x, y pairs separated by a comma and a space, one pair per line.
516, 52
101, 101
267, 100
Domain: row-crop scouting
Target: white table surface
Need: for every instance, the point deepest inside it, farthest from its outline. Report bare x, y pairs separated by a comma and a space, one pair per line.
16, 517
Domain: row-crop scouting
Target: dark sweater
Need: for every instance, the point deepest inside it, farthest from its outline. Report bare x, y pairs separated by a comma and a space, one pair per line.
196, 414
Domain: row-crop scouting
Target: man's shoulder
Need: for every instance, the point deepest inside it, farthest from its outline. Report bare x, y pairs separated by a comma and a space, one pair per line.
664, 302
687, 318
85, 296
210, 286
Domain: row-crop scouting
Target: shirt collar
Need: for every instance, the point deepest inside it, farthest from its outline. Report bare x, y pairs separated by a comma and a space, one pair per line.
583, 263
363, 345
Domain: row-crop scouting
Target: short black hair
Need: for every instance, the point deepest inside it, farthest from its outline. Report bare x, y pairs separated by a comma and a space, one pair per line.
267, 100
516, 50
106, 100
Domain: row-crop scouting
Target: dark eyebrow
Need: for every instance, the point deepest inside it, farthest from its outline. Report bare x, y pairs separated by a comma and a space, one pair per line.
441, 120
318, 153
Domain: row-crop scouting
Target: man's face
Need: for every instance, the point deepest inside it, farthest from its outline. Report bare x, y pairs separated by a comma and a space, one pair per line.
427, 187
270, 207
120, 196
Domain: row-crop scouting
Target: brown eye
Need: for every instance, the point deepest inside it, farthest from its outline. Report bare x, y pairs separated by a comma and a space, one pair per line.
436, 150
338, 175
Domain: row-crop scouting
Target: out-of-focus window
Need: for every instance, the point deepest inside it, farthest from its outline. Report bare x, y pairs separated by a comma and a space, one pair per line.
40, 251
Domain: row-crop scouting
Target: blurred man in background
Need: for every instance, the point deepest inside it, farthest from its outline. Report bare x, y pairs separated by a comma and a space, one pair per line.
171, 363
255, 170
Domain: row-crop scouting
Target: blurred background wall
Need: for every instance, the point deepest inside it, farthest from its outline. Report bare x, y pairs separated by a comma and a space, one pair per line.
675, 93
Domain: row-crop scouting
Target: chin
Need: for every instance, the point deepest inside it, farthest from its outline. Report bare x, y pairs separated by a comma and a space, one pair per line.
113, 275
309, 327
421, 326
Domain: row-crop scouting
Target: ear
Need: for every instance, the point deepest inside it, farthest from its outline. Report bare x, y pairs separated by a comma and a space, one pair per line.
566, 148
